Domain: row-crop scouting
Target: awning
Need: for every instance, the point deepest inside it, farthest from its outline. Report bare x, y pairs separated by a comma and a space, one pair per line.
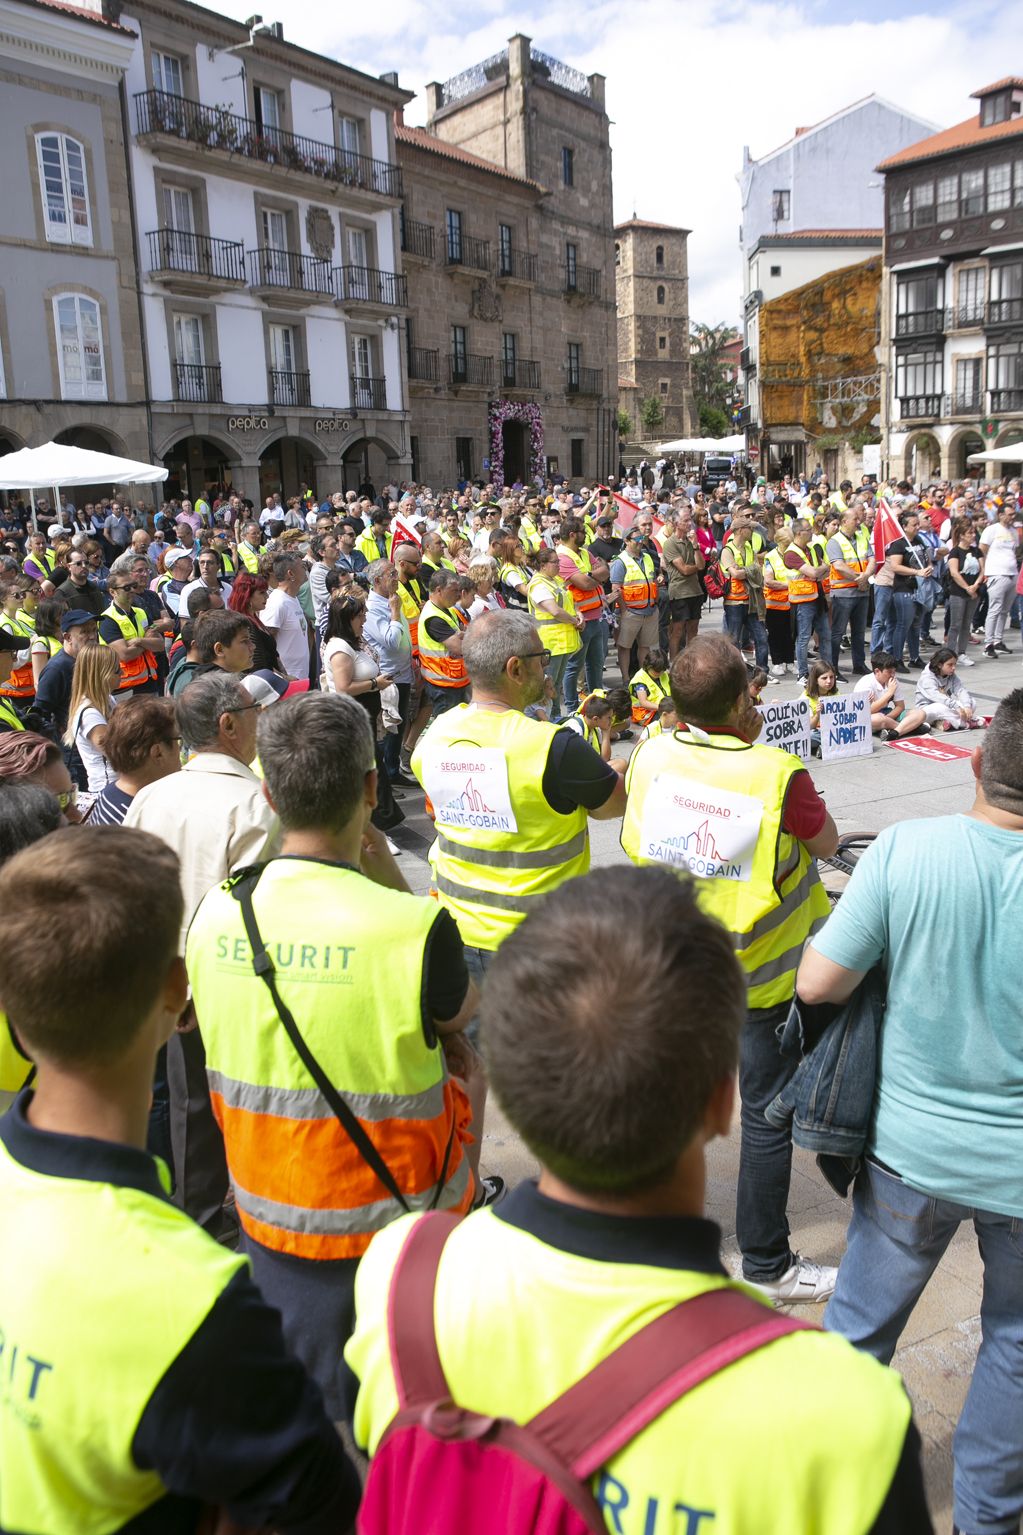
57, 463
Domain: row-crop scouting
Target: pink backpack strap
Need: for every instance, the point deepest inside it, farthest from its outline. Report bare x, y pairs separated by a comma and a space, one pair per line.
415, 1361
590, 1422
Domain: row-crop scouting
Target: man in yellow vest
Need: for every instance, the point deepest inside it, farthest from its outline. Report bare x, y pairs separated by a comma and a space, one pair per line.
852, 565
634, 584
807, 572
358, 983
441, 628
510, 795
250, 548
435, 555
747, 823
612, 1021
552, 609
375, 542
159, 1386
584, 574
739, 563
132, 636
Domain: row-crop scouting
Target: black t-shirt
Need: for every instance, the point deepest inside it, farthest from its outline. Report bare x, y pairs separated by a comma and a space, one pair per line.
445, 976
53, 695
576, 775
915, 554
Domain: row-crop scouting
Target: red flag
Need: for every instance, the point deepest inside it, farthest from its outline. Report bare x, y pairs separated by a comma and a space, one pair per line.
403, 534
886, 530
625, 510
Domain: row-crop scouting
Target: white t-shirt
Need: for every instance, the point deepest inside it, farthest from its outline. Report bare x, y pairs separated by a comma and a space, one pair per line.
284, 615
364, 663
98, 769
1000, 547
873, 689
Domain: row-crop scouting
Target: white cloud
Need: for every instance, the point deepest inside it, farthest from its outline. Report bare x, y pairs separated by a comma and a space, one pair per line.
688, 84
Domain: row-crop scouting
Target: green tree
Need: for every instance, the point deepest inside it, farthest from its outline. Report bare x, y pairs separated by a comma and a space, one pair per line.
714, 422
651, 414
709, 365
624, 424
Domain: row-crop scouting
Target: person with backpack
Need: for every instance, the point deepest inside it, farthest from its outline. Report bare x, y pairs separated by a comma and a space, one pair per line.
577, 1359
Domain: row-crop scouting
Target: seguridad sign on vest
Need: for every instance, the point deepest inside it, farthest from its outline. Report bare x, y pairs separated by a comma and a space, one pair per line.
711, 832
468, 787
845, 727
787, 726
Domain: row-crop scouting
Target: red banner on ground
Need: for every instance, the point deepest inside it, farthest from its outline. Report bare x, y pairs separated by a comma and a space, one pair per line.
936, 751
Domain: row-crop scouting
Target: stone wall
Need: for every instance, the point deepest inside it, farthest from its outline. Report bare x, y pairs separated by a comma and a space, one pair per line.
653, 325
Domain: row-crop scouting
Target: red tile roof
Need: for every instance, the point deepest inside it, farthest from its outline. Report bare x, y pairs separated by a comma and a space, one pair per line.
82, 14
675, 229
418, 138
999, 85
627, 383
967, 135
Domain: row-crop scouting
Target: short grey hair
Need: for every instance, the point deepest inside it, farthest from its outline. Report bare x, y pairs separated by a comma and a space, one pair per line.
376, 568
492, 640
200, 705
802, 525
124, 563
315, 751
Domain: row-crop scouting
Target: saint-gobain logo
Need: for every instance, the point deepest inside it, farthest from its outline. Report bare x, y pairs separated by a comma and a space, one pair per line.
685, 803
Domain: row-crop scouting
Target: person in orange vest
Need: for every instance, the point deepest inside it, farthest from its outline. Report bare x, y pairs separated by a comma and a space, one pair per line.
739, 562
439, 633
20, 597
584, 574
133, 639
806, 595
634, 583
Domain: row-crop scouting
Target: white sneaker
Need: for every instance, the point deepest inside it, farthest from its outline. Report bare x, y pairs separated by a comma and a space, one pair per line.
392, 847
805, 1283
965, 661
777, 670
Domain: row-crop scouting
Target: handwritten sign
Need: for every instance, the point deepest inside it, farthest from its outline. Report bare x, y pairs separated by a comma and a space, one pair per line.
845, 727
786, 725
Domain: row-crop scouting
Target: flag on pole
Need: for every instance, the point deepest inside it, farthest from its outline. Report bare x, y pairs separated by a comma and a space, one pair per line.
403, 534
624, 509
886, 530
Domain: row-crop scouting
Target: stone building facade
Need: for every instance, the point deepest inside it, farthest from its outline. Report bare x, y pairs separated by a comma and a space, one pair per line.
511, 342
652, 287
71, 360
819, 375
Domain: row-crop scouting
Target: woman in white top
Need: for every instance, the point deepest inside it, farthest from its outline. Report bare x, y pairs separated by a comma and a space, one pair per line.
998, 546
96, 670
939, 693
483, 575
349, 666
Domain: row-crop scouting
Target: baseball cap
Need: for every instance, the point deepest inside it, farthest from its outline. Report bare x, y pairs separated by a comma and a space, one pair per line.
266, 687
174, 555
75, 618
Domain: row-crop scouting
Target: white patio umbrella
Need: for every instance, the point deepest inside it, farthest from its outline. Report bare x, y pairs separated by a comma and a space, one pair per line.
54, 464
1008, 453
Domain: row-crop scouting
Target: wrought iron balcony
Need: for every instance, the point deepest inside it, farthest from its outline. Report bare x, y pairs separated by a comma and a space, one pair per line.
180, 250
520, 373
467, 251
744, 359
198, 383
920, 322
216, 128
584, 280
369, 393
468, 368
745, 416
964, 317
584, 381
288, 388
417, 239
1003, 400
516, 263
368, 285
272, 268
969, 403
920, 407
422, 363
1005, 311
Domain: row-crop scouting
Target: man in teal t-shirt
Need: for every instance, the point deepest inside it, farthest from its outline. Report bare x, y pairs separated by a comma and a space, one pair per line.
937, 903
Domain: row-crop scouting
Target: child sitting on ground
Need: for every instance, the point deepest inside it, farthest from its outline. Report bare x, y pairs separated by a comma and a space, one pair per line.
648, 687
665, 723
889, 717
942, 697
758, 680
821, 682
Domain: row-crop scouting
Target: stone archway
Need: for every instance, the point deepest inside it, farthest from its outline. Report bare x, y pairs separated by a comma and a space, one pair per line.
922, 460
289, 463
196, 464
99, 439
370, 461
958, 449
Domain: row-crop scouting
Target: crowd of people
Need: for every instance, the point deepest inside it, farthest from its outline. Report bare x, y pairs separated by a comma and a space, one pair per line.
237, 706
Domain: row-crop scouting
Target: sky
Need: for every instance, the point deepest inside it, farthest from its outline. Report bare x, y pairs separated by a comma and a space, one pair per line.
689, 82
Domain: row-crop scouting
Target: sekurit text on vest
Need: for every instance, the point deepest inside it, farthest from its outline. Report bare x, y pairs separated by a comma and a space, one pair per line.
468, 787
712, 832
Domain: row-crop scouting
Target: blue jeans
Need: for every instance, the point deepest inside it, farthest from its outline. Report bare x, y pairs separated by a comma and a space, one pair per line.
811, 618
849, 607
739, 617
882, 633
555, 670
477, 962
590, 656
897, 1238
907, 626
765, 1152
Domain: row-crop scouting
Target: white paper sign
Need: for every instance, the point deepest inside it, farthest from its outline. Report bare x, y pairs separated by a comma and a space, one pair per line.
845, 727
468, 787
786, 725
709, 831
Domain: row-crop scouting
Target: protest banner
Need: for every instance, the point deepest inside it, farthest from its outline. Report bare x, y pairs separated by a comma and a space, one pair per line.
786, 725
845, 727
934, 751
404, 533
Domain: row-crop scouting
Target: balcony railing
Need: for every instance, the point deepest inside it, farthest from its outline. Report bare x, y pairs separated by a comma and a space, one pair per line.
369, 393
417, 238
964, 317
288, 388
422, 363
197, 382
467, 251
920, 322
272, 268
520, 373
1005, 311
179, 250
920, 407
1006, 399
745, 416
468, 368
367, 285
744, 357
516, 263
969, 403
582, 279
584, 381
215, 128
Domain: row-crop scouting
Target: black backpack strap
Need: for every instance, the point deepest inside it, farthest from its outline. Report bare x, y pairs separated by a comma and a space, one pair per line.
242, 889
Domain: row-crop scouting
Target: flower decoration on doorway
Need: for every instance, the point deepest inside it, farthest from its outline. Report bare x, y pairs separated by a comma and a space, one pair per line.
513, 410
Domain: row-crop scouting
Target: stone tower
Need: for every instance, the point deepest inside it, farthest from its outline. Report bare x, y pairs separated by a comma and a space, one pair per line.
652, 285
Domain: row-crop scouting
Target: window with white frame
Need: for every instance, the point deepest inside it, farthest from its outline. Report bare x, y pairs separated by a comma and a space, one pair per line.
191, 378
948, 198
923, 204
65, 189
348, 134
1017, 184
918, 374
968, 375
168, 75
972, 196
999, 187
79, 336
268, 111
970, 308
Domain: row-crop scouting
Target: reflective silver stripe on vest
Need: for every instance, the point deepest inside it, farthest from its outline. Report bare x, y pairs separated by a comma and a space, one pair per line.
771, 969
781, 913
520, 903
540, 858
309, 1103
340, 1223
